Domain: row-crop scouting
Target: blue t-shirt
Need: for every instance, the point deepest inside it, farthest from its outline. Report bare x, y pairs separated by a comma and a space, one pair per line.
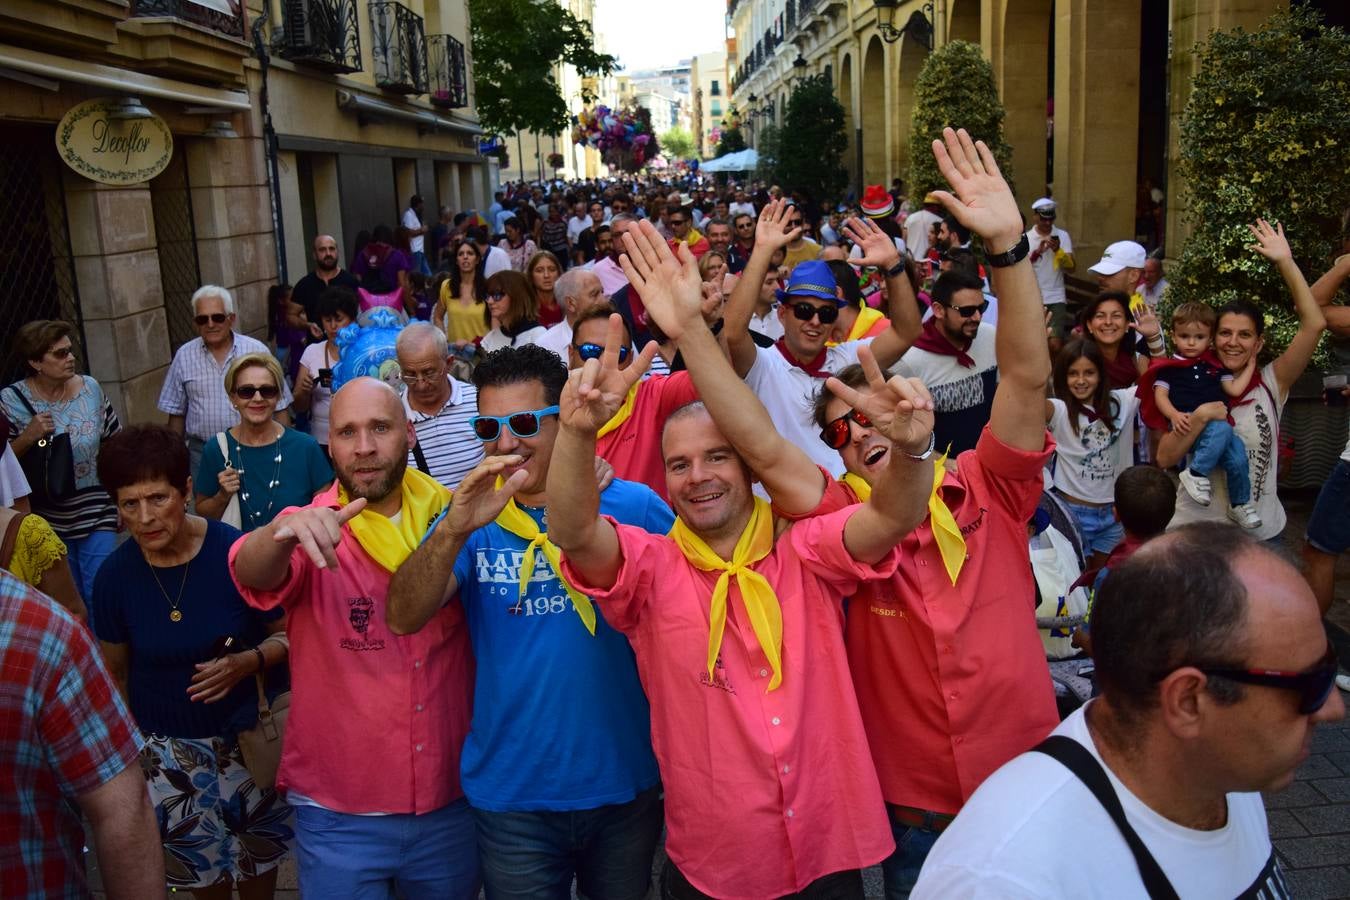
302, 472
129, 608
1190, 387
560, 721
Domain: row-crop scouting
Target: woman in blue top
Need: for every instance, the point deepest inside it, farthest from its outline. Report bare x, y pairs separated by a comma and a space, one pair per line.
267, 465
165, 606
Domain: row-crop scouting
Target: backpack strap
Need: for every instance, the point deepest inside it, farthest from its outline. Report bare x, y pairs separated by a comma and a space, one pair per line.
1080, 761
420, 458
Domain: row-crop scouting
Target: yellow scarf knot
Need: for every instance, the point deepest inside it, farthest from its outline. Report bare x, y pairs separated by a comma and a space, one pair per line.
424, 498
625, 411
513, 520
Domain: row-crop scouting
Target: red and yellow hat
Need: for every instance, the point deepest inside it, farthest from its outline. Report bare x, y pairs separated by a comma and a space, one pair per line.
876, 203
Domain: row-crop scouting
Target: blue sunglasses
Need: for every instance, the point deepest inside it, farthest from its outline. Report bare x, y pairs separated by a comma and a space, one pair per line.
594, 351
522, 424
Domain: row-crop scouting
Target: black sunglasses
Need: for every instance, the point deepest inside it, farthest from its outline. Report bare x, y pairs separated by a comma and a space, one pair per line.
496, 295
247, 391
217, 318
594, 351
805, 312
62, 352
966, 312
835, 433
1313, 686
522, 424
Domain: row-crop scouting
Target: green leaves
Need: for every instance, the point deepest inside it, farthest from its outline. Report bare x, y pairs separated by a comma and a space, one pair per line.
732, 141
811, 144
677, 143
517, 47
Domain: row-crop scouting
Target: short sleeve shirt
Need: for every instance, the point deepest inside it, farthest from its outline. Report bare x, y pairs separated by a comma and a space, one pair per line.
634, 448
446, 439
1087, 462
1049, 276
788, 393
195, 387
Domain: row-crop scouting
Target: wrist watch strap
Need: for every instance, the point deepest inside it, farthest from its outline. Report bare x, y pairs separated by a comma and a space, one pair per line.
1012, 257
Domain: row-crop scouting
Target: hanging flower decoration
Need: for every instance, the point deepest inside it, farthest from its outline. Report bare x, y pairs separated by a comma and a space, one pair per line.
623, 137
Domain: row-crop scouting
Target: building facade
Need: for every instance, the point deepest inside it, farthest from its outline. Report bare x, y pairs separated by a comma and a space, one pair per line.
369, 102
711, 99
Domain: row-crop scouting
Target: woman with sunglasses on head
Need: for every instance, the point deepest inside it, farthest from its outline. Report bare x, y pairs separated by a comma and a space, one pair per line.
512, 313
267, 465
54, 399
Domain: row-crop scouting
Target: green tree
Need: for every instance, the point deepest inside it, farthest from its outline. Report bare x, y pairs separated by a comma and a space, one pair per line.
769, 145
1266, 133
812, 142
678, 143
517, 46
732, 141
955, 88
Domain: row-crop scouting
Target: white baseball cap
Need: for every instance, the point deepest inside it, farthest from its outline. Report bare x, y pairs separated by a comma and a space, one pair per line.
1120, 255
1043, 203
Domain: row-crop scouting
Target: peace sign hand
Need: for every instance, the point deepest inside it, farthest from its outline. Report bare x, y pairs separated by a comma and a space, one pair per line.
901, 409
986, 205
594, 393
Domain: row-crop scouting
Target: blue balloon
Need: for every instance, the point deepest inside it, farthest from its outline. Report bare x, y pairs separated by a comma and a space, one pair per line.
367, 348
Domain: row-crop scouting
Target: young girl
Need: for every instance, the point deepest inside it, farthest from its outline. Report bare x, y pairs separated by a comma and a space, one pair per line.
1093, 428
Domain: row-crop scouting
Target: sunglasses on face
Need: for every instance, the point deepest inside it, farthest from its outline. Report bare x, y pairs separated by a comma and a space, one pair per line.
835, 433
214, 318
795, 223
678, 223
806, 311
522, 424
1313, 686
967, 312
248, 391
744, 226
594, 351
62, 352
496, 295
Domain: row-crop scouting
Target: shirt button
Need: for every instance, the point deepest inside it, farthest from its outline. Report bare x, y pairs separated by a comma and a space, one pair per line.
791, 814
954, 695
419, 748
947, 649
923, 562
419, 707
417, 664
787, 769
776, 720
763, 673
960, 740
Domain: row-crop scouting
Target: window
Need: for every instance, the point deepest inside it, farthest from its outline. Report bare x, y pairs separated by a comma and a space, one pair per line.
716, 109
716, 88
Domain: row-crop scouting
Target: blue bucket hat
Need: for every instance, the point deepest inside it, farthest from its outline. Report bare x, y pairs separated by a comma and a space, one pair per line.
812, 278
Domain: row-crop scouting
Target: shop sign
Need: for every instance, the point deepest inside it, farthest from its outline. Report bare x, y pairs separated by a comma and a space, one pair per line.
113, 150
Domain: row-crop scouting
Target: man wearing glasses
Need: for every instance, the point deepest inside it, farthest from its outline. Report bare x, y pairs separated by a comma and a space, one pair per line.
801, 248
743, 242
438, 405
1214, 670
682, 229
194, 394
558, 765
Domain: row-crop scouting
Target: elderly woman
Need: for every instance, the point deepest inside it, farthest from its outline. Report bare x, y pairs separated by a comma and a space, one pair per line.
184, 648
265, 464
1255, 415
713, 268
511, 312
55, 397
542, 271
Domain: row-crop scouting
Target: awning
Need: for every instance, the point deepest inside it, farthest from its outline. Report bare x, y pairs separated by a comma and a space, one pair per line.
379, 109
744, 161
119, 81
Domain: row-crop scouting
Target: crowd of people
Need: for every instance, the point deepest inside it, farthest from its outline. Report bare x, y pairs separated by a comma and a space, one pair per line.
703, 512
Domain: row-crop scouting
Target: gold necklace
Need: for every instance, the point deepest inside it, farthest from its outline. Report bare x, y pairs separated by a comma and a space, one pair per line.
174, 614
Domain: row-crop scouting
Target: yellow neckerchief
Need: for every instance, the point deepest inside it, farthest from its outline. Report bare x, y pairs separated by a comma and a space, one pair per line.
1137, 303
1062, 258
424, 498
867, 317
757, 595
950, 542
622, 415
515, 520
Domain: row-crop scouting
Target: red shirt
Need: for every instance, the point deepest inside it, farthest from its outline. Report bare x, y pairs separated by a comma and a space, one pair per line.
377, 721
952, 681
634, 448
765, 791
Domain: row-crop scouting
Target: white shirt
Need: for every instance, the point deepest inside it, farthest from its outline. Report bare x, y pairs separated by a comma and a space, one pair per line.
195, 387
735, 209
916, 228
1087, 463
1050, 279
768, 324
13, 484
411, 222
576, 225
1034, 830
559, 340
1152, 297
495, 340
315, 358
788, 392
497, 260
448, 443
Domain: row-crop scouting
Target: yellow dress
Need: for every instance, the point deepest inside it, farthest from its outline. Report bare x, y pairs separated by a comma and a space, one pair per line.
462, 323
36, 549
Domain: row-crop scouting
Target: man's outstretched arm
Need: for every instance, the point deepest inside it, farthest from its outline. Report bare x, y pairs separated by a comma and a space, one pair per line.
769, 236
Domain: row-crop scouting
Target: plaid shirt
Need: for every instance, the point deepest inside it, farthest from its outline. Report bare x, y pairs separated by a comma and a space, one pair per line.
64, 731
195, 387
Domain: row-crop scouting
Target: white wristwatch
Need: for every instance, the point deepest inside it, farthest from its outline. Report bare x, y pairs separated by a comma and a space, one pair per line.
932, 444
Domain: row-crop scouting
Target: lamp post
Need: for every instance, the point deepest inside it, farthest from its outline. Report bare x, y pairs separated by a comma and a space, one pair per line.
919, 27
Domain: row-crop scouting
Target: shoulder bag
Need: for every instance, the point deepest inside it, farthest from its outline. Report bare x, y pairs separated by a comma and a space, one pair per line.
231, 515
49, 465
261, 744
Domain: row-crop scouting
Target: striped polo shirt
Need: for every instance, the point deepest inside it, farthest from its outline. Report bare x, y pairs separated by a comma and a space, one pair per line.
448, 443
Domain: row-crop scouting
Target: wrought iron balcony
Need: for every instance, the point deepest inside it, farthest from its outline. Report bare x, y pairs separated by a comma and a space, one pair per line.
449, 74
790, 14
400, 47
321, 33
210, 15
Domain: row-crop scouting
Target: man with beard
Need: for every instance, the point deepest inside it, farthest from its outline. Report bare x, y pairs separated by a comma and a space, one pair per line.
377, 723
327, 273
954, 356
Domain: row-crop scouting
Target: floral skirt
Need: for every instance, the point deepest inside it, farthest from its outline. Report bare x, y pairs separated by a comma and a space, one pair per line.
213, 820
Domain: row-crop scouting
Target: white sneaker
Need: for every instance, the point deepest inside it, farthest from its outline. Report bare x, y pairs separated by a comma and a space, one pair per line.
1197, 486
1245, 515
1343, 682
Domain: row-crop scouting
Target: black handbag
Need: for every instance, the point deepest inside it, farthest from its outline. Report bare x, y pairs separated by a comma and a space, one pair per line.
49, 465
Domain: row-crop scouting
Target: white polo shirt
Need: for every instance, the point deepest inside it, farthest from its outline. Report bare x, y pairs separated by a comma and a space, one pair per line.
788, 392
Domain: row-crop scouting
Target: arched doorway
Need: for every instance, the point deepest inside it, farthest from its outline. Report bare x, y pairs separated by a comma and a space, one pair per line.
874, 114
1028, 91
963, 22
912, 57
852, 162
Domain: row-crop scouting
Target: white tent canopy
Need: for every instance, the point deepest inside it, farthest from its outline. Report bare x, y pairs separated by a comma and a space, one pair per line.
743, 161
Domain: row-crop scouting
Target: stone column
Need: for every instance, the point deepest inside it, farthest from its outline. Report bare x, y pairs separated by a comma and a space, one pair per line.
327, 203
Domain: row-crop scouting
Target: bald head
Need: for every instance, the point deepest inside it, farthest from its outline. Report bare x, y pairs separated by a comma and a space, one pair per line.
368, 438
364, 396
833, 252
325, 253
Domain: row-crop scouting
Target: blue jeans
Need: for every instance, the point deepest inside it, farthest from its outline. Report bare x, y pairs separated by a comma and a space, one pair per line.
1329, 527
85, 556
428, 857
900, 870
534, 855
1219, 447
1101, 532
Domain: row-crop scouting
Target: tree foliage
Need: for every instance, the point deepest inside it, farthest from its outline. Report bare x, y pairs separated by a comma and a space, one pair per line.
811, 148
517, 46
1266, 133
678, 143
954, 89
769, 146
732, 141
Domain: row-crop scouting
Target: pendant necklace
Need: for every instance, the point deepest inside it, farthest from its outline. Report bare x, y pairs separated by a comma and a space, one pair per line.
255, 516
174, 614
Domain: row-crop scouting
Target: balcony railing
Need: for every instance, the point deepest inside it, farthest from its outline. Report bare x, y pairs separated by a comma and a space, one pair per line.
449, 74
224, 16
400, 47
790, 14
321, 33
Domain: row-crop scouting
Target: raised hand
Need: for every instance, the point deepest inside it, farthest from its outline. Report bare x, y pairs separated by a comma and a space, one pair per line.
478, 500
1146, 322
594, 393
901, 409
318, 529
1270, 241
878, 248
772, 230
986, 205
670, 287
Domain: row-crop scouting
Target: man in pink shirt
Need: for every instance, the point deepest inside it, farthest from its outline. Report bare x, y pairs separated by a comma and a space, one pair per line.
770, 791
371, 759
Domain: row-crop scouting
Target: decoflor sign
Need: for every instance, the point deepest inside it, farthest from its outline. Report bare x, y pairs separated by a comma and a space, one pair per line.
113, 150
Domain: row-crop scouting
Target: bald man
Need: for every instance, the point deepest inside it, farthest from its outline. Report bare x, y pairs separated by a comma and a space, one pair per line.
328, 272
377, 720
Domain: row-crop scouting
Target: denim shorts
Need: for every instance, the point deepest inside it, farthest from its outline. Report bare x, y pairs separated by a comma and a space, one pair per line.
1101, 532
1329, 527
